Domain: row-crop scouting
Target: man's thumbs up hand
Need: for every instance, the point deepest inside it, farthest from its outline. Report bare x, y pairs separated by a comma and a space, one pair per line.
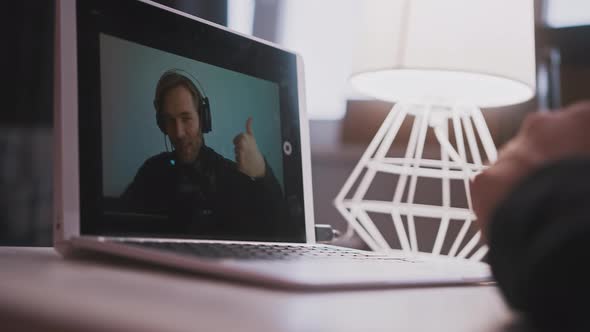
248, 157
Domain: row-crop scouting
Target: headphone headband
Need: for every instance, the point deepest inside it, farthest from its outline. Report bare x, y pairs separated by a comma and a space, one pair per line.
185, 73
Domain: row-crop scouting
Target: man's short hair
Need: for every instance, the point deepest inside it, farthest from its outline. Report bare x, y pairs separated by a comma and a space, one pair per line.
170, 80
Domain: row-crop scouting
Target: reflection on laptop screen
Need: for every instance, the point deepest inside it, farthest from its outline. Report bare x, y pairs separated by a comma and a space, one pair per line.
192, 144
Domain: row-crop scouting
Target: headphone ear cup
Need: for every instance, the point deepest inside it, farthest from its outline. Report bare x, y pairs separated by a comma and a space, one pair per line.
205, 116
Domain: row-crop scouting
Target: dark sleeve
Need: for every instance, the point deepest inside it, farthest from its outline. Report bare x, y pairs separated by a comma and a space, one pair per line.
135, 193
539, 237
148, 192
258, 203
271, 198
268, 186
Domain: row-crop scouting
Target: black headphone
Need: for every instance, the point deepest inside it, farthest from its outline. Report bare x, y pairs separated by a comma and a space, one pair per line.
204, 111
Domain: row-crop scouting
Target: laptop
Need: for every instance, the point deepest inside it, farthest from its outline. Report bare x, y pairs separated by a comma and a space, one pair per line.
182, 143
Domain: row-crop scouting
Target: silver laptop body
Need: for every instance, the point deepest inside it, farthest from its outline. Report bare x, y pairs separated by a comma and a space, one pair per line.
82, 28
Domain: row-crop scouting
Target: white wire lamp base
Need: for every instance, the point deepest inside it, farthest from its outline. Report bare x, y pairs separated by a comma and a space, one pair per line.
452, 165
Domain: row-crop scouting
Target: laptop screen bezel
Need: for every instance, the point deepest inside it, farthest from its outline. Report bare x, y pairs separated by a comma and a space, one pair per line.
87, 71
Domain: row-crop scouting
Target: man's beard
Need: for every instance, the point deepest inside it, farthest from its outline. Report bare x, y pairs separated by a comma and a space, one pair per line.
188, 151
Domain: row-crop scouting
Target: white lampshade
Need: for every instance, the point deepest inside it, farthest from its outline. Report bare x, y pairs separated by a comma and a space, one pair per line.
479, 52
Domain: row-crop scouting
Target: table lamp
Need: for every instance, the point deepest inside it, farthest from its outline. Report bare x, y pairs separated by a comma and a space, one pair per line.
439, 62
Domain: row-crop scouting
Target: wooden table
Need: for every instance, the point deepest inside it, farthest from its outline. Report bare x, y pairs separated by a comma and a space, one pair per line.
41, 290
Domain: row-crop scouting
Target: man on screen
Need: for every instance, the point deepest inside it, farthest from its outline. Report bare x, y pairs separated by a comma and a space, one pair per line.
199, 190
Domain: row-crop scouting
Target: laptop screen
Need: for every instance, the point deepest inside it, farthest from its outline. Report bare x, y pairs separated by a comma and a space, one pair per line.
187, 130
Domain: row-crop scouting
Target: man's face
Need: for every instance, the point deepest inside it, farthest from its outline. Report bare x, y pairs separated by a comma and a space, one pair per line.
181, 122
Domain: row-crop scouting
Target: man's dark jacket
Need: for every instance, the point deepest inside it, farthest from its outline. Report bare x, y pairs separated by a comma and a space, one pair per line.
209, 197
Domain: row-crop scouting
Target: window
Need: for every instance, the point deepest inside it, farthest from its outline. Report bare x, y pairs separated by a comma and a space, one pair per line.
321, 31
564, 13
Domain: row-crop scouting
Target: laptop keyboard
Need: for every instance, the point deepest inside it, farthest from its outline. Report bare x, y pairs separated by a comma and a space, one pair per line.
261, 251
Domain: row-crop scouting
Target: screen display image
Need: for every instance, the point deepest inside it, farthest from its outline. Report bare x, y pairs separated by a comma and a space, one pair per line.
185, 129
187, 147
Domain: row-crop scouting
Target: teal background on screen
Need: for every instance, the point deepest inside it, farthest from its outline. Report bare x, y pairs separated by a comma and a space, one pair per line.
129, 74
